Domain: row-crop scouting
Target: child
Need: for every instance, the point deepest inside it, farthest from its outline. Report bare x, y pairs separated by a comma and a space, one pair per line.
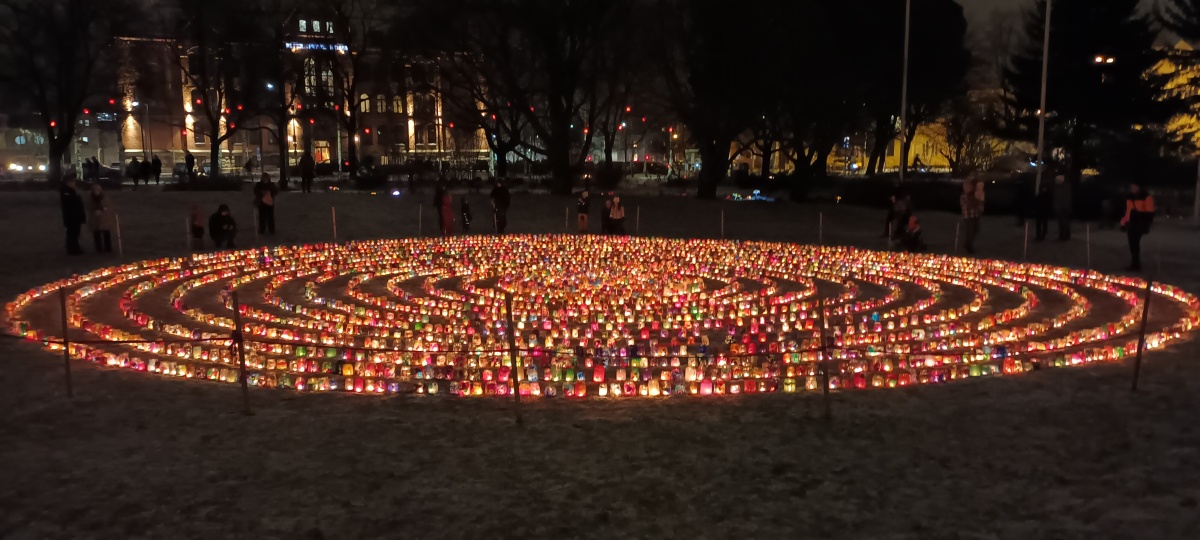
465, 210
197, 226
911, 238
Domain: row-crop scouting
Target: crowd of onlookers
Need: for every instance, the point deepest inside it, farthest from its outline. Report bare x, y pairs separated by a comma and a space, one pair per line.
1052, 201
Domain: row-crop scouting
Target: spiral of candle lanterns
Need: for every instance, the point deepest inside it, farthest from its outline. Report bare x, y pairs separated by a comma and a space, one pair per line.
594, 317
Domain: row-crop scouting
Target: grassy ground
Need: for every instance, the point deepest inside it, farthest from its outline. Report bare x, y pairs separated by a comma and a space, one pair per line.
1058, 454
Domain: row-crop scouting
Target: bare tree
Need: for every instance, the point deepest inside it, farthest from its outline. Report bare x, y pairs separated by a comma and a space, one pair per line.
210, 52
52, 58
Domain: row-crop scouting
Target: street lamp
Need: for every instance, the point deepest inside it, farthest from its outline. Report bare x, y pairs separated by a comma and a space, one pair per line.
1041, 165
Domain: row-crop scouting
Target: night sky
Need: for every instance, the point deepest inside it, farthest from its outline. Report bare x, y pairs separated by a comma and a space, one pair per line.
978, 10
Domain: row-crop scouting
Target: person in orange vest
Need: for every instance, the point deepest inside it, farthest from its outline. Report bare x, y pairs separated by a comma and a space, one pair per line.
1139, 215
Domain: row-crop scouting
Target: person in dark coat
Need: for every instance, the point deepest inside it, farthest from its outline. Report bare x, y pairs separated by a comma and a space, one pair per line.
222, 228
189, 163
1139, 216
134, 170
501, 200
1063, 203
74, 216
156, 169
265, 192
308, 171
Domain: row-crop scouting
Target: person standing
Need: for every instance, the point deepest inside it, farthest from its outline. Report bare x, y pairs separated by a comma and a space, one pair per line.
196, 219
101, 221
971, 202
134, 170
501, 199
447, 214
465, 210
265, 192
222, 228
583, 207
616, 216
1139, 216
308, 171
1063, 202
190, 164
73, 213
156, 169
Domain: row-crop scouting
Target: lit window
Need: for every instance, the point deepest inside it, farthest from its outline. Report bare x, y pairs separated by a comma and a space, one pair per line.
303, 25
327, 80
316, 26
364, 103
397, 104
21, 140
380, 103
310, 76
86, 139
329, 27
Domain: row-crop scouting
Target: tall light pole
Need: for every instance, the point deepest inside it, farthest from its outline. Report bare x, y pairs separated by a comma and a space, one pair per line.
904, 89
1042, 112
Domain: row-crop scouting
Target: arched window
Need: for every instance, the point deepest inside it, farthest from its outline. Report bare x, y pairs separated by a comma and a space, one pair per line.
380, 103
397, 104
310, 76
327, 80
364, 103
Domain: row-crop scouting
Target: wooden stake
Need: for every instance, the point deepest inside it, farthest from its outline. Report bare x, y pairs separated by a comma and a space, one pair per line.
1137, 361
239, 342
333, 212
66, 341
823, 365
1026, 252
512, 352
1089, 245
957, 233
120, 246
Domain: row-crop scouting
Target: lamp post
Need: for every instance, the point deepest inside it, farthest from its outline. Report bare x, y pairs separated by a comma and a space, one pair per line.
1041, 161
904, 89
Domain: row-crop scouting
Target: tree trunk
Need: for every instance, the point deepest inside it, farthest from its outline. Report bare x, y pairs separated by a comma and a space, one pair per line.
821, 166
610, 142
352, 157
768, 151
284, 157
714, 163
214, 158
55, 152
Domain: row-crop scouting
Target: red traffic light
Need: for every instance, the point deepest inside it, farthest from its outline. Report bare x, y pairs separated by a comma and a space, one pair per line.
451, 125
239, 107
367, 131
86, 111
183, 132
312, 121
628, 109
112, 102
53, 123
